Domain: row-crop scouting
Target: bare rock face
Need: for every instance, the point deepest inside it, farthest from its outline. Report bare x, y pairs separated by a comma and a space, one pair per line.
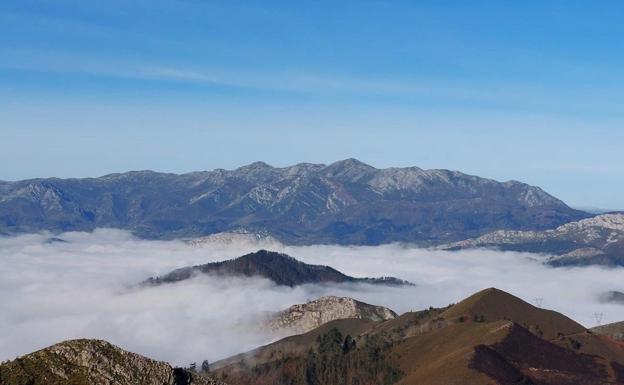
598, 240
93, 362
302, 318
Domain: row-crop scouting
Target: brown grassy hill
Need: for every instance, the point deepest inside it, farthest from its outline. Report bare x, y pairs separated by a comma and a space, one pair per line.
93, 362
499, 352
594, 344
439, 347
493, 304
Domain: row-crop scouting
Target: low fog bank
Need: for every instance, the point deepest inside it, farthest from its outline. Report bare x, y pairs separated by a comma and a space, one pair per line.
85, 288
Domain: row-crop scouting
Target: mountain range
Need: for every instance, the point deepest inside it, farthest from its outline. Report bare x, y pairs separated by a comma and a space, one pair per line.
280, 268
598, 240
346, 202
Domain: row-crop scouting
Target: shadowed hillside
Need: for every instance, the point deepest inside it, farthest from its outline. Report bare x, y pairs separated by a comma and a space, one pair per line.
279, 268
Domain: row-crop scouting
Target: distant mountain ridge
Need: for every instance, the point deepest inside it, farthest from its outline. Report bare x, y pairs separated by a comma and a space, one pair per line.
597, 240
346, 202
280, 268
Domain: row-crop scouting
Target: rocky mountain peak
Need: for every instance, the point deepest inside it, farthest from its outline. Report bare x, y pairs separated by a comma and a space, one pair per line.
605, 221
349, 169
93, 362
302, 318
255, 167
256, 172
302, 169
495, 304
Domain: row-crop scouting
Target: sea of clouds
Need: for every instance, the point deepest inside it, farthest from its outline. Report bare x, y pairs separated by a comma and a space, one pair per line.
86, 287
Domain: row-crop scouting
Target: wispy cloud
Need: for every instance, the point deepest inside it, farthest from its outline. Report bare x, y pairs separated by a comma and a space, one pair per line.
512, 97
293, 80
84, 288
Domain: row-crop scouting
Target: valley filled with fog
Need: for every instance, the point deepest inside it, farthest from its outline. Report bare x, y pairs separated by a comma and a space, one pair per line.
85, 285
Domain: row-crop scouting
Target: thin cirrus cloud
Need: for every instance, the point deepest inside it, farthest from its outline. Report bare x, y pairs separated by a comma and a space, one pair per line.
289, 81
432, 91
86, 288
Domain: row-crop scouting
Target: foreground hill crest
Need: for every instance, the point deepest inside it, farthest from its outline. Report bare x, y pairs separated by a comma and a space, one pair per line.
93, 362
489, 338
346, 202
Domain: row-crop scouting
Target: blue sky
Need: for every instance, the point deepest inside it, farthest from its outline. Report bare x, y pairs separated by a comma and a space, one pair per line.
529, 90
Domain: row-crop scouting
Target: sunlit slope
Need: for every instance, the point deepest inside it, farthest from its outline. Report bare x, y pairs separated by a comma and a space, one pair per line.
93, 362
491, 337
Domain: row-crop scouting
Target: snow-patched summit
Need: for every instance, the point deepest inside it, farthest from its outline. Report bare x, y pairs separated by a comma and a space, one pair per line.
593, 240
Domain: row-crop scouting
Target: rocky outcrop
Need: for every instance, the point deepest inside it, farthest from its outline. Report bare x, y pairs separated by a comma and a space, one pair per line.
93, 362
302, 318
598, 240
